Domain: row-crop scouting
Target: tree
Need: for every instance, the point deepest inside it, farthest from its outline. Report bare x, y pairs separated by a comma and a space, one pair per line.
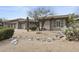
39, 12
72, 33
0, 19
71, 20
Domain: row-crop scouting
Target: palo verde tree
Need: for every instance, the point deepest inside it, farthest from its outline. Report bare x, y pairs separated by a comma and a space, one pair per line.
38, 12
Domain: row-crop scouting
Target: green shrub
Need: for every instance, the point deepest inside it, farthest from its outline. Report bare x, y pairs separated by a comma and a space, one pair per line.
6, 33
1, 27
72, 34
33, 28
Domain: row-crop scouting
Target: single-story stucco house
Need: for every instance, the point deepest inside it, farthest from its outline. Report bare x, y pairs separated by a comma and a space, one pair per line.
1, 23
58, 22
19, 23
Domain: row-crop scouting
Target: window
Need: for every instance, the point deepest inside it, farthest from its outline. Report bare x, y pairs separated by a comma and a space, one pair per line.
62, 23
58, 23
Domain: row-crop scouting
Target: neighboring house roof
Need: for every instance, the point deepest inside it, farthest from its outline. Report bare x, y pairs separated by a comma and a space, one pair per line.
42, 18
20, 20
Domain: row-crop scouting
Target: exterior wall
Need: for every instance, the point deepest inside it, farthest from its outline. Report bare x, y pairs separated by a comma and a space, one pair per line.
11, 24
5, 24
57, 24
1, 24
21, 25
16, 25
53, 24
47, 25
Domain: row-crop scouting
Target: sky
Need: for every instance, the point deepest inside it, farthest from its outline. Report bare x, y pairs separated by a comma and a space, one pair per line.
12, 12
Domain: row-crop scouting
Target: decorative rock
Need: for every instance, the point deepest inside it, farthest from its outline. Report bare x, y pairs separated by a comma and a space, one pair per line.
57, 35
14, 41
44, 40
48, 40
38, 32
53, 38
29, 39
20, 37
61, 36
38, 38
11, 39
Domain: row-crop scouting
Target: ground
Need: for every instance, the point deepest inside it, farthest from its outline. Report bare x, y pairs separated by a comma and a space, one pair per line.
35, 41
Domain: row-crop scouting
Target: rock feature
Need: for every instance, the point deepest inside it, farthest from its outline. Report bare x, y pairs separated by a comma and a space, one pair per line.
38, 38
14, 41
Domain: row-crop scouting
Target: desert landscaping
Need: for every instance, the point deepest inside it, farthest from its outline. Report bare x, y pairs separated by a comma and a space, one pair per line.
38, 41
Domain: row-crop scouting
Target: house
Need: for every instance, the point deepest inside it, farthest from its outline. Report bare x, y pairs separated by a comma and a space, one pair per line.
58, 22
19, 23
1, 23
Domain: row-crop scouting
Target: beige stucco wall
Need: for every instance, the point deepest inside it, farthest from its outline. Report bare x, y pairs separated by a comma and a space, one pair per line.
53, 24
62, 24
47, 25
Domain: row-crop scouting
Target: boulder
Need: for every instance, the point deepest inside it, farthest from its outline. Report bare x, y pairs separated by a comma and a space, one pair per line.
38, 38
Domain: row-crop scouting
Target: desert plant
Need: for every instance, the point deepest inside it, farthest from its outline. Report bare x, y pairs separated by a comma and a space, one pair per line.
72, 34
6, 33
39, 12
33, 28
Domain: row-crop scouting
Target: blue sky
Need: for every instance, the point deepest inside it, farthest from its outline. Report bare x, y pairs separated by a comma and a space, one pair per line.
10, 12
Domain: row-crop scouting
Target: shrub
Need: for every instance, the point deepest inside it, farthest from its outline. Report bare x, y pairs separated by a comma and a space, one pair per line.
72, 34
1, 27
33, 28
6, 33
